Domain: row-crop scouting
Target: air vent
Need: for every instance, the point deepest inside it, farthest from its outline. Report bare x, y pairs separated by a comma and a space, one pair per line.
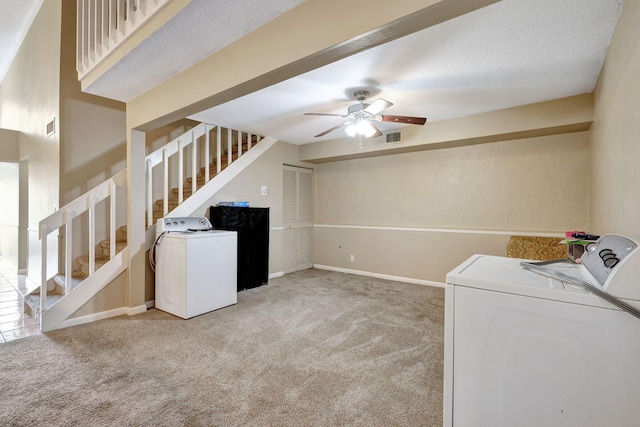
393, 137
51, 127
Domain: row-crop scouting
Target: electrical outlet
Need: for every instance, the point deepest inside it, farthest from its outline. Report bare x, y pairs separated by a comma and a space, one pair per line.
352, 258
264, 190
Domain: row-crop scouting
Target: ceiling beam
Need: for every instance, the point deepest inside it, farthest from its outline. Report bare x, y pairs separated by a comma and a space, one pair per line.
313, 34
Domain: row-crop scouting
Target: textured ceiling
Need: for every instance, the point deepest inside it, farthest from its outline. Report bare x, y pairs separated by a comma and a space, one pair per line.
514, 52
200, 29
15, 18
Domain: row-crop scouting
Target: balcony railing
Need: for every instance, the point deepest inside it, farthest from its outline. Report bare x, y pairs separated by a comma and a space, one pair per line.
103, 25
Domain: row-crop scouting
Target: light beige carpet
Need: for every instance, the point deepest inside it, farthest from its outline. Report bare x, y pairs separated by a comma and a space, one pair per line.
312, 348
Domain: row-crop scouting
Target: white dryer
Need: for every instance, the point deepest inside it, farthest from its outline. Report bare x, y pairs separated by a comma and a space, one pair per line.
196, 267
525, 349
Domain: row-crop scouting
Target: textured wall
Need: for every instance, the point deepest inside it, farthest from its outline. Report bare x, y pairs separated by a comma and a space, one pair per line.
535, 184
418, 215
615, 147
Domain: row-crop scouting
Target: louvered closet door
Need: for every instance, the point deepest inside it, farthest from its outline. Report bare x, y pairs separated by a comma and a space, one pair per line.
297, 245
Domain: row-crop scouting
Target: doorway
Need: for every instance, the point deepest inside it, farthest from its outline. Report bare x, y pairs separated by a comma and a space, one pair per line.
297, 242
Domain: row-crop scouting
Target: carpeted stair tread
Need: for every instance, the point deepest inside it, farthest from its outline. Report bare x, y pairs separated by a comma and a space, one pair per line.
105, 246
76, 279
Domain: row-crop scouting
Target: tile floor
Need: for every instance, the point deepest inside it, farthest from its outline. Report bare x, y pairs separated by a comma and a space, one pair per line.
14, 323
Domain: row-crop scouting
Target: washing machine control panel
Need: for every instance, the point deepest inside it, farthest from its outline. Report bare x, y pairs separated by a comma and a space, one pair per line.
609, 256
182, 224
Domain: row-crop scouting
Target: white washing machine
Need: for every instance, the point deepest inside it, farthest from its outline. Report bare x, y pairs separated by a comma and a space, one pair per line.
527, 349
196, 267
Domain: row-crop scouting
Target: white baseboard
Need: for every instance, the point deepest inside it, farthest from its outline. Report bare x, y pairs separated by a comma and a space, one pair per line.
80, 320
380, 276
150, 304
132, 311
277, 274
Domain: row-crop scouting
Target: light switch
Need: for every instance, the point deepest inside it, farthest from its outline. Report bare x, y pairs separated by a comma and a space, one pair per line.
264, 191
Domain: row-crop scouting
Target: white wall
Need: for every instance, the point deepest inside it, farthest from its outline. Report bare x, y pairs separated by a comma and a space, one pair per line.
29, 99
9, 185
9, 214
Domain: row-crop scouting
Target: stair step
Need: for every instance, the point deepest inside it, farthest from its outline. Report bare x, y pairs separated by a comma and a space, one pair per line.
76, 279
159, 204
121, 234
83, 263
32, 303
199, 181
105, 247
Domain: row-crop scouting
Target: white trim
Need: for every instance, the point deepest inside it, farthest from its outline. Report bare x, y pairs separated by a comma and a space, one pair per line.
132, 311
276, 228
276, 274
445, 230
80, 320
380, 276
150, 304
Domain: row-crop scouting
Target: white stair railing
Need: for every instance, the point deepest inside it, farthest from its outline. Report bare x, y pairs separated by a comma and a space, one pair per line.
64, 218
200, 156
199, 141
103, 25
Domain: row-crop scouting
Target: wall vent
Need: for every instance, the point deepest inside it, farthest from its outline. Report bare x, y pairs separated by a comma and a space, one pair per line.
393, 137
51, 127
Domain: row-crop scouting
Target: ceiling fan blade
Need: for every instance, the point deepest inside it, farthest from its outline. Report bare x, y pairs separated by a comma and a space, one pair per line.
377, 106
378, 133
405, 119
323, 114
332, 129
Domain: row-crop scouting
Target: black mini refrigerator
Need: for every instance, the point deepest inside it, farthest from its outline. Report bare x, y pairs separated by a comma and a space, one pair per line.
252, 226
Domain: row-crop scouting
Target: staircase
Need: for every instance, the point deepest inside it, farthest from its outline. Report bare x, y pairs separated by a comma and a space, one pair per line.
84, 276
57, 285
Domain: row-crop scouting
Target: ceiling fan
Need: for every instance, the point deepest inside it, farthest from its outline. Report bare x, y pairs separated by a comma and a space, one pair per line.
362, 117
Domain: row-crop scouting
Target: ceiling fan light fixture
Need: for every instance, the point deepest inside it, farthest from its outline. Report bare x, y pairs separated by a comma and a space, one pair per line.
365, 128
361, 127
362, 115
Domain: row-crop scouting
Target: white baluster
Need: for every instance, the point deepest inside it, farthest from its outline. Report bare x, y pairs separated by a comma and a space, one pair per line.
149, 194
229, 146
92, 235
219, 150
68, 249
180, 171
44, 235
112, 219
194, 162
206, 153
120, 23
165, 189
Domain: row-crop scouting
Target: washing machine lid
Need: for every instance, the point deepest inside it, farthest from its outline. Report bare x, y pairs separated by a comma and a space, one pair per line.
202, 234
502, 274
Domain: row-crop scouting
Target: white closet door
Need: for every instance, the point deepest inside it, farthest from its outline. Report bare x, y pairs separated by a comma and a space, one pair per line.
297, 243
